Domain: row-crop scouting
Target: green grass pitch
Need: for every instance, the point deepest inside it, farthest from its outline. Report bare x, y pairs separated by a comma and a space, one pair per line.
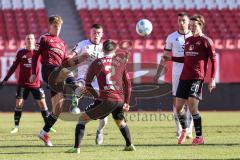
153, 136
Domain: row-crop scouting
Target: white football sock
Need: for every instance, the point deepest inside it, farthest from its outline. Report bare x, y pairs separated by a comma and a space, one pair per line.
102, 124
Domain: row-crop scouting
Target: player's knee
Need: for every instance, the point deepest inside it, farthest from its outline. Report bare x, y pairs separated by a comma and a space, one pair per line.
179, 108
19, 103
120, 123
70, 85
42, 104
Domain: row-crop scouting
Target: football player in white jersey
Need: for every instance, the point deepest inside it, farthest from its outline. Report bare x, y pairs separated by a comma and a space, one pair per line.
93, 48
175, 44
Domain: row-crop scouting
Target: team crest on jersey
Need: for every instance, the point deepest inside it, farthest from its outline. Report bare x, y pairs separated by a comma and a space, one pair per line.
51, 40
24, 56
177, 39
198, 43
191, 47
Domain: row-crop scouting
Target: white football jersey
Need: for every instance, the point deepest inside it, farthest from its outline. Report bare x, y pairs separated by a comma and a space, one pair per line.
94, 50
175, 43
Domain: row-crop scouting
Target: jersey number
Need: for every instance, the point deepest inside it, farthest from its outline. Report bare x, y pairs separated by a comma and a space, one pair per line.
111, 70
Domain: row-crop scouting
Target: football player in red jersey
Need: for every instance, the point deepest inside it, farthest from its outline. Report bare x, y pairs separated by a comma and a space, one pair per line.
198, 50
24, 60
53, 51
114, 94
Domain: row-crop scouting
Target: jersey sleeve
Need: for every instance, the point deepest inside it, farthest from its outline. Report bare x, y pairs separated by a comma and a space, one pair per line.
13, 67
212, 55
78, 49
168, 45
35, 58
127, 87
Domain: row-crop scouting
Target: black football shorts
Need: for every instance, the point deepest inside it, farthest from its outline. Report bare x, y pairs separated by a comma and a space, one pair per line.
23, 92
101, 109
190, 88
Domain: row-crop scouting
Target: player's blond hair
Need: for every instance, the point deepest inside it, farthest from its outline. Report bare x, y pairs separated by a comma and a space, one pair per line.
199, 18
55, 19
30, 34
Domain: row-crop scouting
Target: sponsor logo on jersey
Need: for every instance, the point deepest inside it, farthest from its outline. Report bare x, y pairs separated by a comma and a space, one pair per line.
57, 50
27, 65
191, 47
191, 53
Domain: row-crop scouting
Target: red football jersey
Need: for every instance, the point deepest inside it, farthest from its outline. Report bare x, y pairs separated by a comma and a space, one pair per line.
113, 80
196, 54
52, 49
24, 60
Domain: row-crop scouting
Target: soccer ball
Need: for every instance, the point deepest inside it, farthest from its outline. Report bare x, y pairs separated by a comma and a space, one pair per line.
75, 110
144, 27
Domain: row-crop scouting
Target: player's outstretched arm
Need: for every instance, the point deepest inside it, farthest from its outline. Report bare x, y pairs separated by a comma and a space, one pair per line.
161, 66
10, 71
75, 60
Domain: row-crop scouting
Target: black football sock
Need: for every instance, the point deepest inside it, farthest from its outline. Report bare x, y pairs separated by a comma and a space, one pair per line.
79, 133
17, 116
45, 115
50, 122
126, 134
183, 120
197, 120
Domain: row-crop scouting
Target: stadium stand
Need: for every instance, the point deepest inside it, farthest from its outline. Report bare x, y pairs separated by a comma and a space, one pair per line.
18, 18
221, 16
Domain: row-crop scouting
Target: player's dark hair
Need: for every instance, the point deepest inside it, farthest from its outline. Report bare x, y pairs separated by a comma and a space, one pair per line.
182, 14
109, 45
97, 26
199, 18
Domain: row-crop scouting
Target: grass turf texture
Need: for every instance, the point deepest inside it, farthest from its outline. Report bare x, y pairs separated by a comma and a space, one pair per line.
153, 137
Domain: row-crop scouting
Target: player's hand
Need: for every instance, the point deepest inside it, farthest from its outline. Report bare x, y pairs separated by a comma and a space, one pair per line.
126, 107
211, 85
166, 57
2, 84
32, 78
